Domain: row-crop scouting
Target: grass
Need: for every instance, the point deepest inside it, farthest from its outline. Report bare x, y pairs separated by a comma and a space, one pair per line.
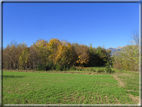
63, 88
131, 83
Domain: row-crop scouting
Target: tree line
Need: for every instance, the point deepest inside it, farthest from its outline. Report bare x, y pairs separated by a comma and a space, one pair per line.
55, 54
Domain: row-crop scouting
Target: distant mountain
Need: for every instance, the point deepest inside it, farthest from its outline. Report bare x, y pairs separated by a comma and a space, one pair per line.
114, 51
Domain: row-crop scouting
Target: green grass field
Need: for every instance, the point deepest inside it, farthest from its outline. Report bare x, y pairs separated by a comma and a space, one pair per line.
63, 88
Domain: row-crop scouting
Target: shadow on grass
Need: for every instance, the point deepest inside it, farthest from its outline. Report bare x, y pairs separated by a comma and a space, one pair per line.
12, 76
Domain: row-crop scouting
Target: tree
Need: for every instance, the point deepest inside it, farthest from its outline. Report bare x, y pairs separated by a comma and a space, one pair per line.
53, 47
6, 58
65, 54
11, 56
20, 48
82, 54
41, 47
108, 67
34, 57
46, 55
128, 59
23, 58
104, 55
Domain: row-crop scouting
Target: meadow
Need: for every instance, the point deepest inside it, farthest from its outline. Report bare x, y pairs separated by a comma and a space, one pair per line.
70, 87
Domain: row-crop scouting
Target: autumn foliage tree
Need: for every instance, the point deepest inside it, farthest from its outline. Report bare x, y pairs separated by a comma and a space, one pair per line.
53, 48
82, 54
24, 59
65, 55
128, 58
11, 55
55, 54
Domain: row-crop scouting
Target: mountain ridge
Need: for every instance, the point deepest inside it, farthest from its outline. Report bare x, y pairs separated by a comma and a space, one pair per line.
113, 50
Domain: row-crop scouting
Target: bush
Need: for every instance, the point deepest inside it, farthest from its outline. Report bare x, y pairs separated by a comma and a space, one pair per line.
113, 71
108, 68
67, 68
50, 66
79, 69
73, 68
41, 67
91, 69
100, 71
58, 67
83, 69
87, 69
103, 70
94, 70
64, 68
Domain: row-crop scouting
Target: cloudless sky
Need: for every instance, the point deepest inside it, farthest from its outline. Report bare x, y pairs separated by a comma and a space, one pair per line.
102, 24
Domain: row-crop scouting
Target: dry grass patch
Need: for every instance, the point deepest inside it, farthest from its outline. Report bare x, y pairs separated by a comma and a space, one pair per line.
134, 98
132, 90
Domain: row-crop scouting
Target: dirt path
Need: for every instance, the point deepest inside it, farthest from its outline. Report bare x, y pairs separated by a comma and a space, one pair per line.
120, 82
134, 98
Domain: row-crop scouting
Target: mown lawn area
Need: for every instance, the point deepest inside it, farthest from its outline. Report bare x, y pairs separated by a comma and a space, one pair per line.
63, 88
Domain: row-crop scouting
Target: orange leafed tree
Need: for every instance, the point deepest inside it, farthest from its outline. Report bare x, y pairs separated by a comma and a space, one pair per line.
65, 54
82, 54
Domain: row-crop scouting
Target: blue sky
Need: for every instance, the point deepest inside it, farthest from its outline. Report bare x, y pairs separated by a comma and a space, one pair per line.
102, 24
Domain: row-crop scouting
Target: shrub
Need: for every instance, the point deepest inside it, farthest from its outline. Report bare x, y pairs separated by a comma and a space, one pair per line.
67, 68
79, 69
113, 71
103, 70
83, 69
64, 68
87, 69
58, 67
50, 66
100, 71
94, 70
108, 68
41, 67
91, 69
73, 68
